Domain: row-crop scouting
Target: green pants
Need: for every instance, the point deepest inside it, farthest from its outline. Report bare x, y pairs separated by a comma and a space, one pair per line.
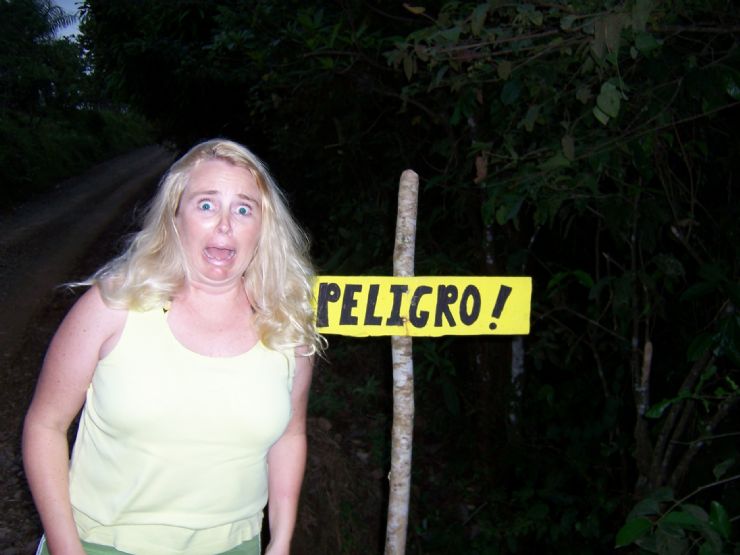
251, 547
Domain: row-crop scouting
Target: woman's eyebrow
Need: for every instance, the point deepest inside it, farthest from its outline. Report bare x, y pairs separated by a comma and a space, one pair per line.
249, 198
197, 193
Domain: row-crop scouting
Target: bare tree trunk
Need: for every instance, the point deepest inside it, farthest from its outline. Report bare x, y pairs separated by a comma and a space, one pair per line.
403, 376
517, 383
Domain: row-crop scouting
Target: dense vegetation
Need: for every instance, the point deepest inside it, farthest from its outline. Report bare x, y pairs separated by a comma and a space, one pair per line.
589, 144
54, 119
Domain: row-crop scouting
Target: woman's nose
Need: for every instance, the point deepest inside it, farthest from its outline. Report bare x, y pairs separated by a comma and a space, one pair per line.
224, 223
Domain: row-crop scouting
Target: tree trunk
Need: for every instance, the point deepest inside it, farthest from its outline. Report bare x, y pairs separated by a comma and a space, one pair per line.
403, 376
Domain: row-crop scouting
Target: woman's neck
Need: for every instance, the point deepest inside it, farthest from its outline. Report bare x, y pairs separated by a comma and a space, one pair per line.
207, 299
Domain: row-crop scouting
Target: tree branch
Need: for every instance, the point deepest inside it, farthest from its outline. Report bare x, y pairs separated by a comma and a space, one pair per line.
661, 444
682, 467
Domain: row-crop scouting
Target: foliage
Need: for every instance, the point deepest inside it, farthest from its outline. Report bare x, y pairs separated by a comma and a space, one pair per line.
562, 116
52, 124
661, 524
589, 144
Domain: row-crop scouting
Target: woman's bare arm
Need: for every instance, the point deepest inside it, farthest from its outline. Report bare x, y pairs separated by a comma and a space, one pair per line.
287, 461
87, 333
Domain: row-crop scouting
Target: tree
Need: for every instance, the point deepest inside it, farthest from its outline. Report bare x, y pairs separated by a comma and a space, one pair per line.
50, 127
603, 118
589, 144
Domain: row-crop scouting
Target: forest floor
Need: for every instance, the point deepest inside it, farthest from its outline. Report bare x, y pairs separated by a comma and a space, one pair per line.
66, 235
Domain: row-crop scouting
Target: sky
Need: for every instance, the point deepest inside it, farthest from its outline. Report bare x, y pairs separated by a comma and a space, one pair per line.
69, 6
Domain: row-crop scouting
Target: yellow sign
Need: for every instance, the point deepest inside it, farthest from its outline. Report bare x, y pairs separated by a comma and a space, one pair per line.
422, 306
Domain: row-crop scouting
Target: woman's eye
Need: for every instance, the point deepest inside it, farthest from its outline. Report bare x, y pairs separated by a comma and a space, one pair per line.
205, 205
243, 210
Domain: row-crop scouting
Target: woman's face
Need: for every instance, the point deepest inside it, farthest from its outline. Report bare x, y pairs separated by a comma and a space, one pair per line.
219, 222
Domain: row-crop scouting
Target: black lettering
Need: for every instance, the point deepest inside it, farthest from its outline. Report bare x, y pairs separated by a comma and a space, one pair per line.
446, 295
419, 320
470, 292
329, 292
372, 299
503, 294
348, 304
395, 318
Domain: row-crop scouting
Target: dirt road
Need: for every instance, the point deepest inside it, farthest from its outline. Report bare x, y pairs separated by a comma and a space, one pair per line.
41, 241
62, 236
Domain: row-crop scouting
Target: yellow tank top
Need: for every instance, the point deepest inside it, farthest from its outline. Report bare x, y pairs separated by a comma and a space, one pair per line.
170, 456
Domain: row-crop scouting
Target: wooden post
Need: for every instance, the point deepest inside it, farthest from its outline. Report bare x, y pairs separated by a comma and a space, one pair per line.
403, 376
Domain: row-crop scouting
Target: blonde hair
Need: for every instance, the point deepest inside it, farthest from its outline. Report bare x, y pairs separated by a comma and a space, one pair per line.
278, 281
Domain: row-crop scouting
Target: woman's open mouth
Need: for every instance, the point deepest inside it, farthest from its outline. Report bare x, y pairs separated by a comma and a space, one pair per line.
218, 254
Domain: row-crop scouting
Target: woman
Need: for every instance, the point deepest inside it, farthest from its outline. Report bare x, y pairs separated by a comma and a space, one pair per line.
192, 354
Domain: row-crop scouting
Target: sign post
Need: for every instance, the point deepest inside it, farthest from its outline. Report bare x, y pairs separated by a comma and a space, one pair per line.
405, 306
403, 376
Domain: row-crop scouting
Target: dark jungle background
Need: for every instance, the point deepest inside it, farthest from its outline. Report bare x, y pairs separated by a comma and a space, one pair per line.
592, 145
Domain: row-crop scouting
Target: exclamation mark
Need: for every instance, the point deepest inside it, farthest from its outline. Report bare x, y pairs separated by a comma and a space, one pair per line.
498, 308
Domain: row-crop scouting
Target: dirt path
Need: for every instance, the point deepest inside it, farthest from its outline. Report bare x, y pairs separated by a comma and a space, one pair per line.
42, 240
62, 236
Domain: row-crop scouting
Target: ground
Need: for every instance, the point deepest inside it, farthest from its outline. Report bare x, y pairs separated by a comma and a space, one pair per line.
63, 237
50, 240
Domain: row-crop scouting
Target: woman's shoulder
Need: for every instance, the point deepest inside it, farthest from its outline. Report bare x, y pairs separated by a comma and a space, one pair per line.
92, 304
96, 319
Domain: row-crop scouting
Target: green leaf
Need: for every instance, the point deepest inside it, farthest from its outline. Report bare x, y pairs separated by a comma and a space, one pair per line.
451, 35
698, 291
508, 210
583, 94
648, 543
608, 100
732, 88
732, 383
662, 495
633, 530
422, 53
416, 10
504, 70
696, 511
566, 23
478, 18
408, 67
531, 117
600, 115
670, 541
640, 14
656, 411
607, 34
557, 161
681, 519
646, 43
669, 265
556, 280
708, 549
569, 147
613, 24
699, 345
584, 278
536, 17
645, 507
510, 92
719, 520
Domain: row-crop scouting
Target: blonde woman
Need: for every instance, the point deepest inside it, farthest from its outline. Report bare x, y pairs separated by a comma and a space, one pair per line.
191, 356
